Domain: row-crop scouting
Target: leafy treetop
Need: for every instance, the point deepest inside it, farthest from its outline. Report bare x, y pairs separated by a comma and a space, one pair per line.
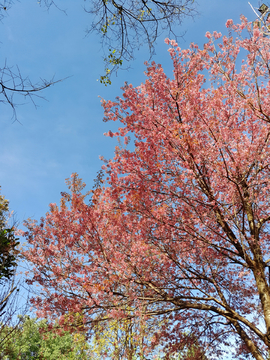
179, 229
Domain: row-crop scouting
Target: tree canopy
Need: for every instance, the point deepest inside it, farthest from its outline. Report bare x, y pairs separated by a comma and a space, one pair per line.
8, 242
178, 228
12, 82
33, 340
123, 26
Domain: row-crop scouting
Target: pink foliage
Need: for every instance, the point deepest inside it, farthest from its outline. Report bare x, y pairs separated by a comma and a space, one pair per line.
181, 230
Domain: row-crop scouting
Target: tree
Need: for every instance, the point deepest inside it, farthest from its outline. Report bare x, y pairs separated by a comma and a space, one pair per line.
125, 25
179, 227
131, 339
10, 295
34, 341
8, 242
118, 339
13, 301
123, 339
12, 82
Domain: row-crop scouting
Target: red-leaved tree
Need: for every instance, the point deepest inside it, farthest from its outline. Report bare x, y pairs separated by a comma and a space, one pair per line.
179, 229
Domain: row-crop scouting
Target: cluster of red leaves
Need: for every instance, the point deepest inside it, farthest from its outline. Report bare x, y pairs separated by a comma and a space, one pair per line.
181, 230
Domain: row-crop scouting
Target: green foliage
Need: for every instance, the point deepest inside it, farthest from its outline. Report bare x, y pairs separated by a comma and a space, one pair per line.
120, 339
3, 211
109, 22
113, 61
134, 339
142, 14
127, 25
34, 340
8, 242
8, 261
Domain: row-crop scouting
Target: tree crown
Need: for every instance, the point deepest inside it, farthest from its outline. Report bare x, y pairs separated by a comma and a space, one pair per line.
180, 229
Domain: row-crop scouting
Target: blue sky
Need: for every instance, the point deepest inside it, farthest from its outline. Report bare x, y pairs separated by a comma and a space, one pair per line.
65, 133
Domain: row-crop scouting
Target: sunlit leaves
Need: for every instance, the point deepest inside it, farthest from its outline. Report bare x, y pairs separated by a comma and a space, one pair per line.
178, 229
